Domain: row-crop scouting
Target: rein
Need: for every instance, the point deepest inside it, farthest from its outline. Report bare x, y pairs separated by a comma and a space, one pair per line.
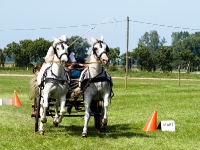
56, 61
55, 52
95, 62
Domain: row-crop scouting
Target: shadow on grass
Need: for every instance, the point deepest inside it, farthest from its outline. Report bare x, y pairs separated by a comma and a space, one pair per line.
113, 131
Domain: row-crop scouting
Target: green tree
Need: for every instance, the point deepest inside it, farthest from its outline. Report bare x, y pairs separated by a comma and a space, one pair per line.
189, 59
37, 49
27, 50
23, 59
131, 59
14, 50
177, 45
152, 41
20, 52
2, 58
80, 47
113, 55
164, 57
144, 58
192, 43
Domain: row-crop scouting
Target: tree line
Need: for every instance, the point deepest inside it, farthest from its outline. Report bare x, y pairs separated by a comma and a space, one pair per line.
26, 52
150, 53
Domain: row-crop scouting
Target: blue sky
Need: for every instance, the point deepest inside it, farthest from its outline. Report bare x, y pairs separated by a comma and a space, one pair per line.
78, 16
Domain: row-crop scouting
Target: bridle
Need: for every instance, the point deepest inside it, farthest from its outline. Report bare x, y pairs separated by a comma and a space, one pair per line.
61, 43
94, 49
56, 79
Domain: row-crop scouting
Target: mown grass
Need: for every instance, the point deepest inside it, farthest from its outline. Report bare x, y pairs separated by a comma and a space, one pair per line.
156, 74
16, 70
129, 110
134, 72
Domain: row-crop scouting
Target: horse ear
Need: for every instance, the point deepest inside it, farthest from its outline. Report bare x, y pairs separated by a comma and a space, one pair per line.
64, 38
55, 40
102, 38
93, 40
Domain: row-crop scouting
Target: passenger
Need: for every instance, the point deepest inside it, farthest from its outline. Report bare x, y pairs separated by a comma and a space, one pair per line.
76, 66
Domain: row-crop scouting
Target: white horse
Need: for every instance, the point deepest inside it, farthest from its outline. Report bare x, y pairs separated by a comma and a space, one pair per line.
95, 83
53, 81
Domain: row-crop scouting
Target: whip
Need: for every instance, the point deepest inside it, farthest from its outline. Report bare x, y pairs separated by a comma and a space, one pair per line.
94, 28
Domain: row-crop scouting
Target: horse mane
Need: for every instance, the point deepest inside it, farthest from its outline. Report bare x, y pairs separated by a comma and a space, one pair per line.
87, 60
50, 54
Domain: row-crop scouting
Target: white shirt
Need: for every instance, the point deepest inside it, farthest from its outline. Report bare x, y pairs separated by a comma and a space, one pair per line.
72, 58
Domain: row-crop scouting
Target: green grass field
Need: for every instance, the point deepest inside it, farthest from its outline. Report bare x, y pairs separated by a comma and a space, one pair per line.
128, 113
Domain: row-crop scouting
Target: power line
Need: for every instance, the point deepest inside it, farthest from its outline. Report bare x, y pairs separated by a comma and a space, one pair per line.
104, 23
163, 25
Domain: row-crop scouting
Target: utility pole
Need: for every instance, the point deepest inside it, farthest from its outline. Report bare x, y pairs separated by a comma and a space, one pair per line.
179, 74
127, 38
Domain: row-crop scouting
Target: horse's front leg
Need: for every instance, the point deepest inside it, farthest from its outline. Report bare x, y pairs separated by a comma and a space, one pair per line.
41, 129
56, 117
43, 109
62, 108
42, 117
45, 105
105, 115
87, 114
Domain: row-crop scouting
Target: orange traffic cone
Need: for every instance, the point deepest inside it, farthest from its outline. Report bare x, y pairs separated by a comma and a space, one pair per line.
151, 124
15, 100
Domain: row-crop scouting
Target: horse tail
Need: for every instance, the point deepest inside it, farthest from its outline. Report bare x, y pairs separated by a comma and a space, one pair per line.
34, 89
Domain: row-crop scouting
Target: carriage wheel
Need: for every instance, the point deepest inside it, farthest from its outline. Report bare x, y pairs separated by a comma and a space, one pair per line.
37, 111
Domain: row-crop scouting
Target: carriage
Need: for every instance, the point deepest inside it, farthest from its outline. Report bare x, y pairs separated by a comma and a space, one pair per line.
74, 105
58, 95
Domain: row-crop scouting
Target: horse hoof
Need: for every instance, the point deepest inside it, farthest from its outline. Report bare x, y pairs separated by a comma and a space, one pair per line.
43, 120
41, 132
102, 129
84, 134
55, 124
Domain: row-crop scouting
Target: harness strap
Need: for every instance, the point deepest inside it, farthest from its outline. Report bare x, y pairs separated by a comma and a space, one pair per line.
100, 43
55, 52
41, 86
86, 82
52, 80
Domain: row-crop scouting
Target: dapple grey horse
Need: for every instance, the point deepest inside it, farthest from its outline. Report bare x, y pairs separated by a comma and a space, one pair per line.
53, 81
96, 88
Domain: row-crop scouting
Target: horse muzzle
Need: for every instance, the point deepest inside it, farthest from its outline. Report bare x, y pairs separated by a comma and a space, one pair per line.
104, 59
64, 59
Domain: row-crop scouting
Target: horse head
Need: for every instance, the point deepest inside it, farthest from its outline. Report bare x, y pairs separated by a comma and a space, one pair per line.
59, 51
100, 49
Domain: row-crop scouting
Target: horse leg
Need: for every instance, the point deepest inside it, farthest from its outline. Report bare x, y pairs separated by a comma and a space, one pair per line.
62, 108
55, 122
41, 129
43, 109
87, 114
105, 115
45, 106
